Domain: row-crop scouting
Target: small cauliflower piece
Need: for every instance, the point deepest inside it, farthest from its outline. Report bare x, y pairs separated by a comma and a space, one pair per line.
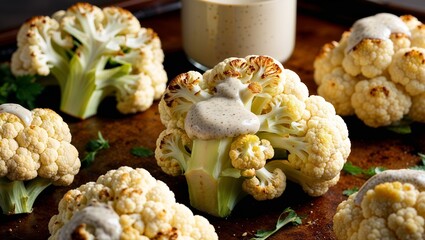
417, 110
144, 208
36, 151
265, 185
361, 61
388, 206
372, 43
248, 152
379, 102
329, 57
93, 53
337, 87
244, 127
417, 29
407, 68
380, 72
317, 154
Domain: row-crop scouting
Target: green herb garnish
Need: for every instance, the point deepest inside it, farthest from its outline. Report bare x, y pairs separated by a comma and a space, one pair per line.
141, 152
291, 217
401, 127
350, 191
356, 170
422, 166
93, 147
22, 90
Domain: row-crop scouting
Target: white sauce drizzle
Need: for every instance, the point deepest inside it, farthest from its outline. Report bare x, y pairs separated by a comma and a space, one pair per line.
100, 217
223, 115
22, 113
379, 26
414, 177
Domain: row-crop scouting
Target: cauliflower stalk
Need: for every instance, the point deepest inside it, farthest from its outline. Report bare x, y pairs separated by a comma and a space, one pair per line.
244, 127
126, 203
378, 76
93, 53
36, 151
390, 205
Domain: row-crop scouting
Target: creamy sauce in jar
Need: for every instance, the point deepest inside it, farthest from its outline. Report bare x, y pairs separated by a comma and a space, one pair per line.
24, 114
221, 116
214, 30
379, 26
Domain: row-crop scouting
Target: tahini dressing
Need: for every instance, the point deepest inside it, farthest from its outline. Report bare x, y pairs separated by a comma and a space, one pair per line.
99, 217
223, 115
24, 114
379, 26
414, 177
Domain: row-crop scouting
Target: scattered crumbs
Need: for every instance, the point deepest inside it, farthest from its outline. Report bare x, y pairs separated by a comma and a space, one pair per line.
10, 230
311, 211
311, 204
218, 226
312, 222
244, 234
234, 235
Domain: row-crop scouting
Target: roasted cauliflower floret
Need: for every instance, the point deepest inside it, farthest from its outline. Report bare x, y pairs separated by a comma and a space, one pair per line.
138, 206
380, 71
389, 205
36, 151
93, 53
244, 127
379, 102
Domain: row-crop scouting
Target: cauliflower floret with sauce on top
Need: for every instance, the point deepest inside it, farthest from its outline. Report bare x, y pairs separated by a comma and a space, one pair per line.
36, 151
390, 205
126, 203
376, 70
245, 127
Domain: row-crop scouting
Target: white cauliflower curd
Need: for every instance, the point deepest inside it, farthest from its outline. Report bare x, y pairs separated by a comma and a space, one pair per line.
376, 70
126, 203
35, 151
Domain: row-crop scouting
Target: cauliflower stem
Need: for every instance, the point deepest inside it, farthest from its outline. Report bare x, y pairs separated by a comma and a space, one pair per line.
19, 196
84, 89
209, 190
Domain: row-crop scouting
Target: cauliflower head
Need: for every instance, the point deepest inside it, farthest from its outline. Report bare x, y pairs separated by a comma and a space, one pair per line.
375, 75
136, 206
93, 53
390, 205
35, 147
41, 149
245, 127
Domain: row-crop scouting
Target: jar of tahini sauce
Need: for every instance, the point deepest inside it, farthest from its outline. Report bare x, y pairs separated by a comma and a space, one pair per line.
214, 30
